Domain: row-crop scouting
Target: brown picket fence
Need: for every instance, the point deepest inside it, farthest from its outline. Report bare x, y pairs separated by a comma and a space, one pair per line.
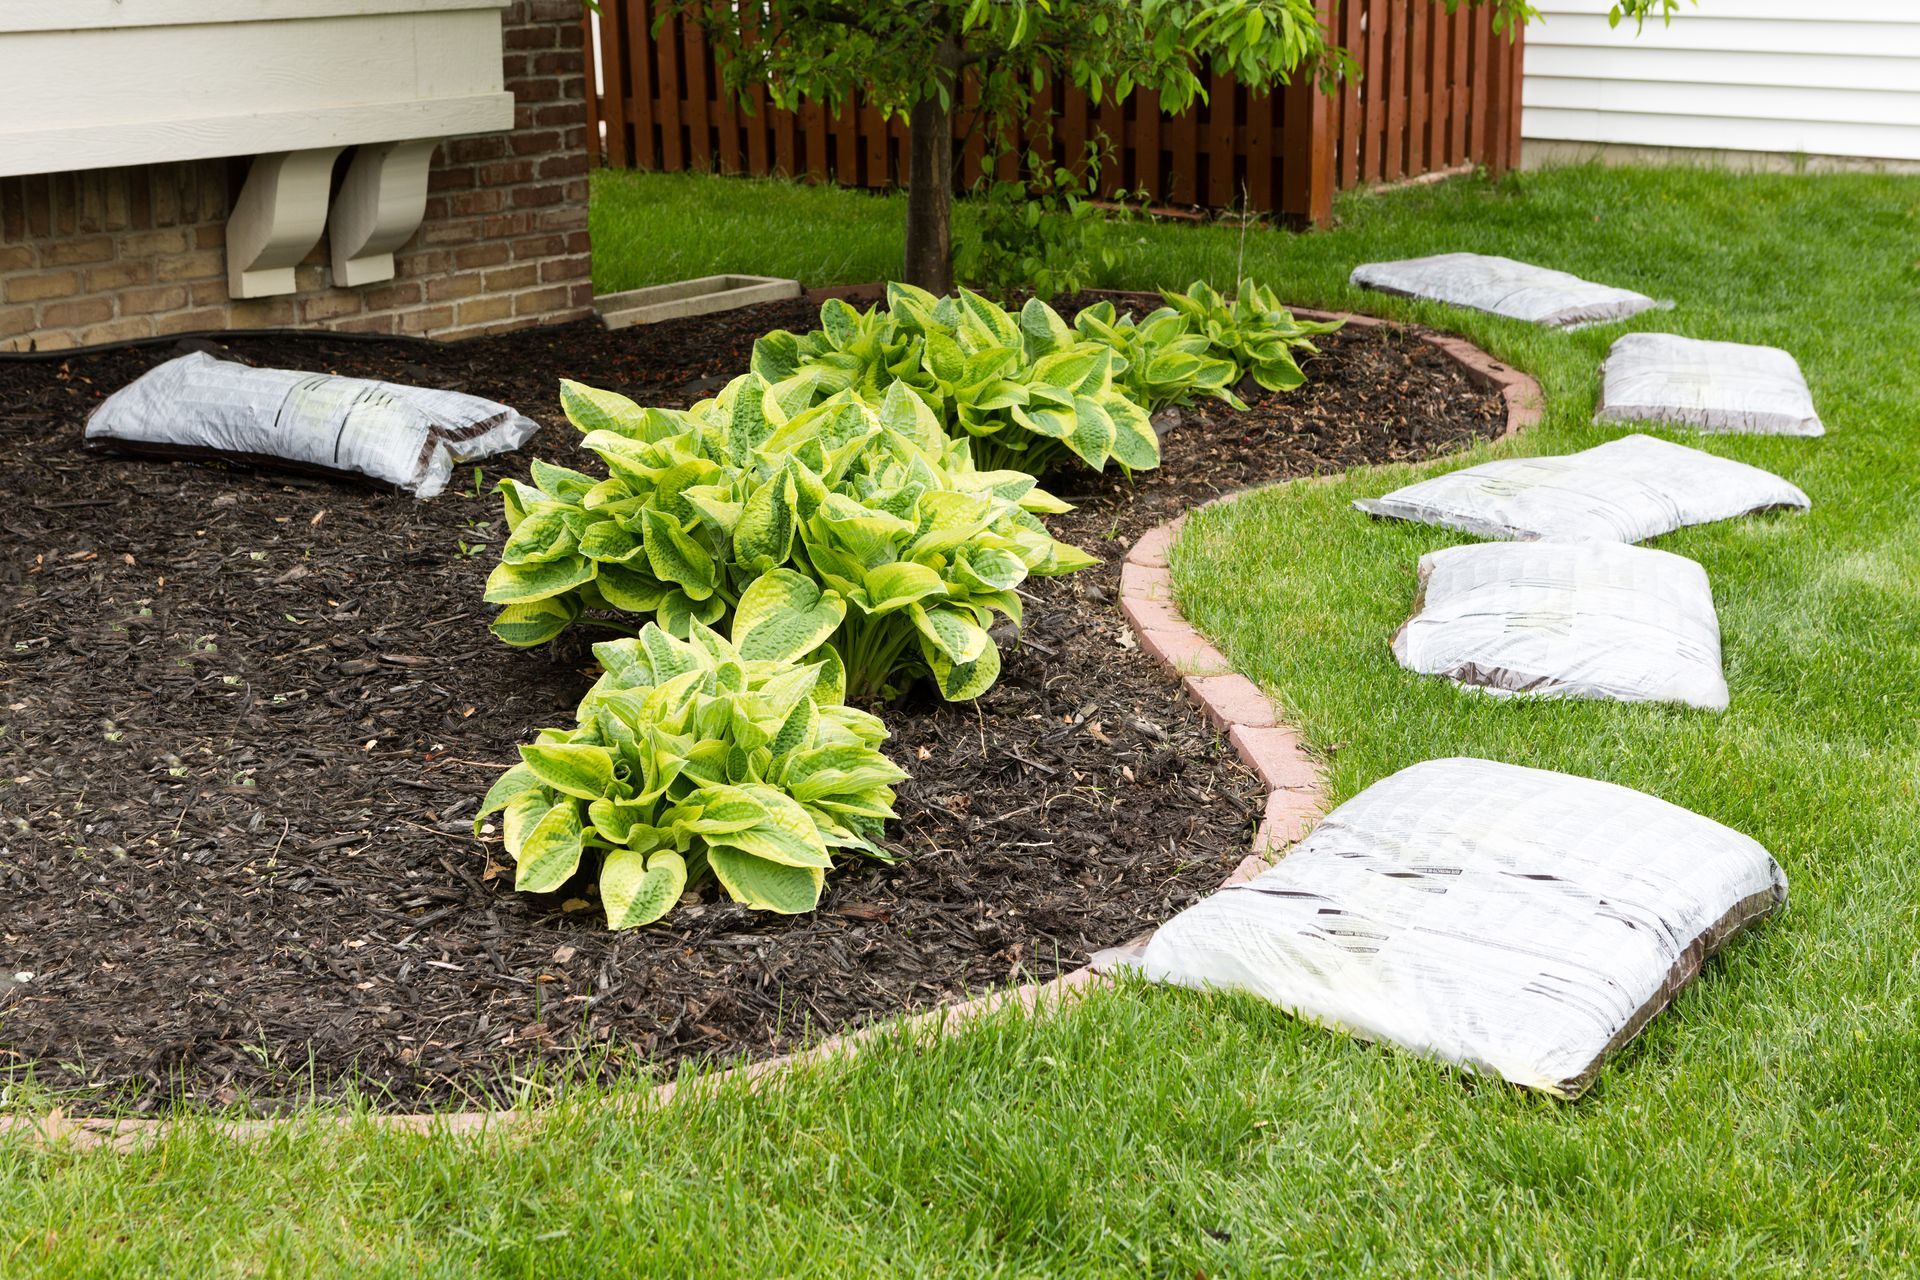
1435, 92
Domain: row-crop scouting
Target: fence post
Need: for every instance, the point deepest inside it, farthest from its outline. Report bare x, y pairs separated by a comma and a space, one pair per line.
1306, 150
590, 59
1502, 73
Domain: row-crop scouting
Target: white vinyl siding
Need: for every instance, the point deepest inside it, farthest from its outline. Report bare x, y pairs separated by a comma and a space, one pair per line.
87, 84
1840, 78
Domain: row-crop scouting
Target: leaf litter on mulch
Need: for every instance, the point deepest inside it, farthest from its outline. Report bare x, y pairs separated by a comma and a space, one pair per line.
248, 717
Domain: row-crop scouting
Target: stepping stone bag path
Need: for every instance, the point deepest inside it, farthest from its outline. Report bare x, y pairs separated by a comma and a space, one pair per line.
1710, 386
1567, 620
1517, 290
1510, 920
1626, 490
1514, 920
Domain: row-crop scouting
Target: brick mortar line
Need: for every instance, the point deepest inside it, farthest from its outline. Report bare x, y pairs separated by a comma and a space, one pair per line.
1236, 706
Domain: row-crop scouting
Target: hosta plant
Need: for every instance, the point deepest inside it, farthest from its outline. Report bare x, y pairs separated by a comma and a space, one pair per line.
1253, 330
1167, 363
731, 757
878, 507
1026, 389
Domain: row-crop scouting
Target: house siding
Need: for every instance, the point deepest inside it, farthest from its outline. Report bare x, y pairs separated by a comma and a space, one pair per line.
107, 255
1774, 76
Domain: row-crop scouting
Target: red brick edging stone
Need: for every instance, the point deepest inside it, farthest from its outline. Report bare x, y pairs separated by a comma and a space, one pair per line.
1251, 723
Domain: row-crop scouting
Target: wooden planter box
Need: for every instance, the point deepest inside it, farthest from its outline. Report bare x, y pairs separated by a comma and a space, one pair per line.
691, 298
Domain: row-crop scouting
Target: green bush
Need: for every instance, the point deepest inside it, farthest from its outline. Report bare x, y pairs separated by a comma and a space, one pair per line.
1254, 330
1026, 389
692, 756
1167, 363
1045, 231
880, 513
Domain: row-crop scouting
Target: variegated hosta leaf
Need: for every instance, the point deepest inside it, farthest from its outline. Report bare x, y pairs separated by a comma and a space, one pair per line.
763, 536
677, 558
520, 583
784, 616
631, 590
536, 621
508, 787
897, 585
591, 409
550, 853
961, 681
563, 483
639, 888
764, 885
950, 632
574, 769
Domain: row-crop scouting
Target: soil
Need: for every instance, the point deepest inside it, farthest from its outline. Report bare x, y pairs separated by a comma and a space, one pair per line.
245, 719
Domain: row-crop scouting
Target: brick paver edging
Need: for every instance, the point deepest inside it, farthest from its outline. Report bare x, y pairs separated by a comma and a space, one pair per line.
1296, 794
1235, 705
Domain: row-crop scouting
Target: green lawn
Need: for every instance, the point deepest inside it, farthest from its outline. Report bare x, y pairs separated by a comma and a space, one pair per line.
1765, 1125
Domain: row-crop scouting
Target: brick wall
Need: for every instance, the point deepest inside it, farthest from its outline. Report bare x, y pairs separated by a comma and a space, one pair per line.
103, 255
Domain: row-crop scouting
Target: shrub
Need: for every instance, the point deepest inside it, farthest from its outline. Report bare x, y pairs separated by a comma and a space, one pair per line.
1254, 330
1044, 231
1026, 389
1166, 362
735, 757
878, 511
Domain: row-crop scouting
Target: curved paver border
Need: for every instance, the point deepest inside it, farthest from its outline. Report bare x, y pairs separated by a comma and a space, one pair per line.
1296, 793
1296, 796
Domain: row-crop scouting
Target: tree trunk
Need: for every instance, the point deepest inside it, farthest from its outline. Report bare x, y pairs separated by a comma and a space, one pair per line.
929, 261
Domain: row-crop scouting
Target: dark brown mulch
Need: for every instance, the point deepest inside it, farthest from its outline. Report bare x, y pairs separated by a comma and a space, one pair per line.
247, 719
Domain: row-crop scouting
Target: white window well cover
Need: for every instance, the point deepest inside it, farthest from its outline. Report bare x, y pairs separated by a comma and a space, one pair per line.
1509, 920
199, 407
1626, 490
1517, 290
1714, 386
1567, 620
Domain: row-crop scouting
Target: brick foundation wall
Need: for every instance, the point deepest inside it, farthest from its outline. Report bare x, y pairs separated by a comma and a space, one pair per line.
104, 255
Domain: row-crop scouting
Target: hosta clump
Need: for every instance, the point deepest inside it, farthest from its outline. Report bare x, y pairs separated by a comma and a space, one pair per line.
1026, 389
1254, 330
878, 509
1167, 362
705, 755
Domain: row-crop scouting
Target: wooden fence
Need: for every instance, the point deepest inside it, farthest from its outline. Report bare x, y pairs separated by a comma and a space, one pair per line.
1434, 92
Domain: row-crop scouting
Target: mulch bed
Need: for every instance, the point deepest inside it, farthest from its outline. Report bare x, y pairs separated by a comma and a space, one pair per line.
247, 719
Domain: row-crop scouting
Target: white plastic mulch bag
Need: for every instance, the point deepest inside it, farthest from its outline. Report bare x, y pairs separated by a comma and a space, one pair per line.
1510, 920
1517, 290
1567, 620
197, 406
1715, 386
1626, 490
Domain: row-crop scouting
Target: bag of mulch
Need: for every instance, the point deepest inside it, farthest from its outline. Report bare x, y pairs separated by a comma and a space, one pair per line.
1626, 490
1517, 290
200, 407
1567, 620
1714, 386
1509, 920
